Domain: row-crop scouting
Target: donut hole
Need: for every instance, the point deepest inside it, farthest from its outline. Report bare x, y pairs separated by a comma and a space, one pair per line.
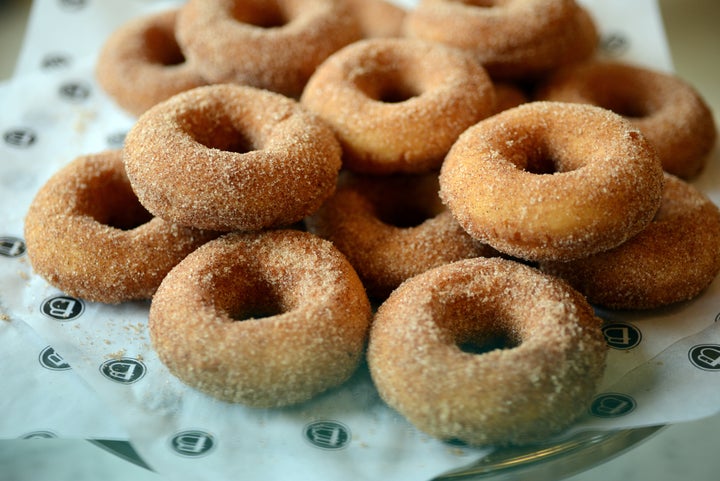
262, 14
486, 342
629, 105
482, 3
113, 203
407, 215
162, 47
250, 297
219, 131
389, 86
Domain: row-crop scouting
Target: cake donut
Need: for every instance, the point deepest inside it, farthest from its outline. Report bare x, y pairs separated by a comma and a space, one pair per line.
513, 39
487, 351
271, 45
552, 181
264, 319
378, 18
87, 234
391, 228
397, 104
674, 259
141, 64
229, 157
667, 110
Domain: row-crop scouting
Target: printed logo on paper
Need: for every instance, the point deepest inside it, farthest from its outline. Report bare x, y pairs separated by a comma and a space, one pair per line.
39, 435
327, 434
74, 91
117, 139
620, 335
125, 370
62, 308
705, 356
53, 61
615, 44
72, 4
50, 359
12, 246
20, 137
612, 405
192, 443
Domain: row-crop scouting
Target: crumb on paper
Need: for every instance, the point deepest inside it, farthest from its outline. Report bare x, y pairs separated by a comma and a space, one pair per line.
4, 317
116, 355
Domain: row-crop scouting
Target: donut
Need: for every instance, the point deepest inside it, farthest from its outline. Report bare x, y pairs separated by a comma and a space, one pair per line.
487, 351
552, 181
392, 228
672, 260
141, 64
270, 45
87, 234
230, 157
514, 39
264, 319
667, 110
378, 18
396, 104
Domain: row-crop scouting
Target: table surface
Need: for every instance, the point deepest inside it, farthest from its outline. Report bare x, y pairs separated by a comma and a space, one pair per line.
683, 451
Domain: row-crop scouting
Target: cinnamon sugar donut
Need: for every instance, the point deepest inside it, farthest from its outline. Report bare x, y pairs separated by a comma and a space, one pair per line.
88, 235
552, 181
274, 45
230, 157
378, 18
397, 105
141, 63
487, 351
667, 110
264, 319
672, 260
391, 228
513, 39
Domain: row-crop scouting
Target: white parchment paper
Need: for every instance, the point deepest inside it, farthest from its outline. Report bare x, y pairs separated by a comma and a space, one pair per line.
108, 383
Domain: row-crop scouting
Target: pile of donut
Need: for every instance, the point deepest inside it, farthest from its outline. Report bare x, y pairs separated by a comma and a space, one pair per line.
471, 168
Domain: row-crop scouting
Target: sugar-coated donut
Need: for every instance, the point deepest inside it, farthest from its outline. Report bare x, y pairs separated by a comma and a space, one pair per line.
228, 157
88, 235
391, 228
264, 319
274, 45
514, 39
674, 259
378, 18
141, 64
552, 180
398, 104
487, 351
667, 110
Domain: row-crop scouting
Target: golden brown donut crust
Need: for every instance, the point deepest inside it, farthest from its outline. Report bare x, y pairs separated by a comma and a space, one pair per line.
88, 235
141, 63
667, 110
274, 45
392, 228
428, 352
513, 39
264, 319
552, 180
378, 18
673, 259
230, 157
397, 105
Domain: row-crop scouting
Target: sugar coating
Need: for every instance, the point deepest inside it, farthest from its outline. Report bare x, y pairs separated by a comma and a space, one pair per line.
270, 45
228, 157
671, 114
514, 40
534, 387
672, 260
310, 337
88, 235
552, 180
140, 64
